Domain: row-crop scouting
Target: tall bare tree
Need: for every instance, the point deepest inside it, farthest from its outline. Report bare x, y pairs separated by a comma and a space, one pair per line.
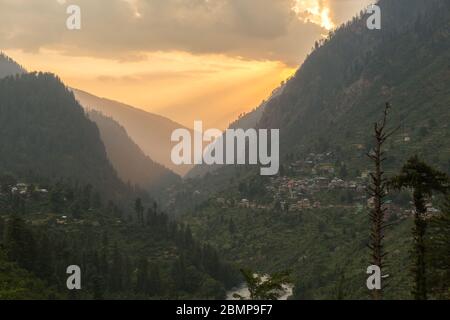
378, 190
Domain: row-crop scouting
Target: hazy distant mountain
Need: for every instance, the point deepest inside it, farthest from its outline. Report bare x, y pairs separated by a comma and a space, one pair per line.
149, 131
251, 119
44, 133
9, 67
247, 121
131, 164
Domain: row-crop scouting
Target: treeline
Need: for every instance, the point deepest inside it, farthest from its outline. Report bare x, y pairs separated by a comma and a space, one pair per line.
45, 133
138, 253
9, 66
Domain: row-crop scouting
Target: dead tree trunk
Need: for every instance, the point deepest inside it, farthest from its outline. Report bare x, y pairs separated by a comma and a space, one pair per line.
377, 191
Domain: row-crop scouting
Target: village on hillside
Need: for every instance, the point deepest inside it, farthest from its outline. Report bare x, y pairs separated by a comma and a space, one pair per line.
315, 183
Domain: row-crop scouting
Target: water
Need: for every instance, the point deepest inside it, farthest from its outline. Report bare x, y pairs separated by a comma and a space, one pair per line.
242, 290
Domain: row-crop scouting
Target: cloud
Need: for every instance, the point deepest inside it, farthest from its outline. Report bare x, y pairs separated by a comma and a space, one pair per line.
343, 10
121, 29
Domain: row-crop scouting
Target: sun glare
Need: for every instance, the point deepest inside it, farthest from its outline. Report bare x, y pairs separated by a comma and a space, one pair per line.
314, 11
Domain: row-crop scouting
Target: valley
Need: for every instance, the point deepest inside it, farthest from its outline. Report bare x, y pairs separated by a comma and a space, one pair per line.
93, 182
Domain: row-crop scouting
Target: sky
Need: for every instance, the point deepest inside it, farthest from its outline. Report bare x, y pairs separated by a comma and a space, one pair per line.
208, 60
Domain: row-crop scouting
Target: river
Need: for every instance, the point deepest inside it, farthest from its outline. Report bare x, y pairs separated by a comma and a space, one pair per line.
242, 290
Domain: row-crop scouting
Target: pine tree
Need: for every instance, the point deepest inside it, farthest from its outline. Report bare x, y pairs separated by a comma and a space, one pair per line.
98, 287
116, 272
19, 243
139, 209
179, 274
45, 260
142, 285
438, 247
423, 181
154, 280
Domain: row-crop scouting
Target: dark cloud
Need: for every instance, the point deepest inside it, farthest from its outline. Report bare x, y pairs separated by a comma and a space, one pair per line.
120, 29
343, 10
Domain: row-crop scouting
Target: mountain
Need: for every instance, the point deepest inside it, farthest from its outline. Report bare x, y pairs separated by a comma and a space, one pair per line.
44, 133
54, 174
247, 121
19, 284
139, 256
325, 115
149, 131
131, 164
9, 67
251, 119
338, 93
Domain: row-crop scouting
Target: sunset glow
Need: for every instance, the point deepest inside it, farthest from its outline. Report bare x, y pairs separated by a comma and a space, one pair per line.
314, 11
209, 60
183, 87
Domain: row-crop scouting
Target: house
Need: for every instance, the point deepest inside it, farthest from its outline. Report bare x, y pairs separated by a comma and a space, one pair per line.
365, 174
322, 182
360, 188
61, 221
293, 207
431, 210
352, 185
244, 203
304, 204
336, 183
371, 202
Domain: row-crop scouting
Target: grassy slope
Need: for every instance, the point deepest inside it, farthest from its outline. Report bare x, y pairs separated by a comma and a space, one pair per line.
319, 246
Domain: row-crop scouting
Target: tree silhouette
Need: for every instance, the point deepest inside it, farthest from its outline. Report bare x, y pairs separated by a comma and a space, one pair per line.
439, 243
423, 180
377, 190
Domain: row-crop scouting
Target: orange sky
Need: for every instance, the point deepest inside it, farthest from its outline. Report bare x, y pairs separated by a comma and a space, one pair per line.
181, 86
184, 62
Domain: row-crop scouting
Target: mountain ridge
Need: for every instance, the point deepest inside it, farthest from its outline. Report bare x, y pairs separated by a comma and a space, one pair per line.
131, 164
8, 67
151, 132
47, 135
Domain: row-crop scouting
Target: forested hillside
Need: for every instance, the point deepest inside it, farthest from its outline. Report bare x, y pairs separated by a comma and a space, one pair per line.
45, 134
343, 181
246, 121
151, 132
338, 92
330, 105
62, 203
9, 67
123, 254
17, 283
313, 218
131, 164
